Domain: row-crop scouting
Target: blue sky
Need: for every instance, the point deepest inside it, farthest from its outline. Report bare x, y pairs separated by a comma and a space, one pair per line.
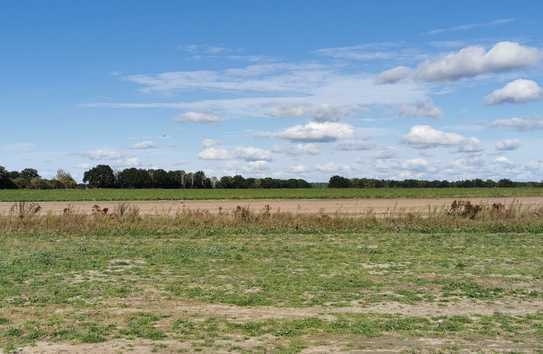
387, 89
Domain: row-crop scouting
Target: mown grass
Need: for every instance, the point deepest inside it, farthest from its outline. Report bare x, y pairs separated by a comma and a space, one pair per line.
90, 279
95, 278
310, 193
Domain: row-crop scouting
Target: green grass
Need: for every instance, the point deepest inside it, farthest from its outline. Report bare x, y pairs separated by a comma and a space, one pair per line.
127, 282
311, 193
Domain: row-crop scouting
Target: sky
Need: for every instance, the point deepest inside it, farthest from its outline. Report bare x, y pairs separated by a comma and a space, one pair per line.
287, 89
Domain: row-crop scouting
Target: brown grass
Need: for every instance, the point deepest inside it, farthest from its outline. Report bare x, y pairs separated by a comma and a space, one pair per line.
461, 215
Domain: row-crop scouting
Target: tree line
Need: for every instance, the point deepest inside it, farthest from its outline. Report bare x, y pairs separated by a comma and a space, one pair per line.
343, 182
103, 176
30, 178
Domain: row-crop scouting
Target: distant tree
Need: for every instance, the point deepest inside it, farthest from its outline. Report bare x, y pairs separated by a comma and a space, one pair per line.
161, 179
29, 173
238, 182
198, 178
505, 183
5, 180
339, 182
225, 182
65, 179
100, 176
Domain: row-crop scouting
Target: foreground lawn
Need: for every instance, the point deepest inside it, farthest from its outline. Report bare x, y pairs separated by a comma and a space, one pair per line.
257, 289
309, 193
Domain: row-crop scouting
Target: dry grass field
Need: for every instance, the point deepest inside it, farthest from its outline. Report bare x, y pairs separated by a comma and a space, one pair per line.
465, 278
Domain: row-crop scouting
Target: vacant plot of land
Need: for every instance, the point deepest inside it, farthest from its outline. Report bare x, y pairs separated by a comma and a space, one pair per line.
264, 283
310, 193
298, 206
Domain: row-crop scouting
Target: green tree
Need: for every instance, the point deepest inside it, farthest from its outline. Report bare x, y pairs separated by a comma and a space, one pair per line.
66, 179
100, 176
339, 182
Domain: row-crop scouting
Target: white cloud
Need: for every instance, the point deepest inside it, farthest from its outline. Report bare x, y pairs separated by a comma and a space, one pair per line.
518, 91
297, 169
508, 145
420, 109
504, 161
103, 154
198, 117
298, 149
255, 167
356, 146
209, 142
424, 136
214, 153
501, 21
250, 153
246, 153
117, 159
317, 132
319, 113
393, 75
470, 146
18, 147
144, 145
474, 60
418, 165
330, 167
521, 124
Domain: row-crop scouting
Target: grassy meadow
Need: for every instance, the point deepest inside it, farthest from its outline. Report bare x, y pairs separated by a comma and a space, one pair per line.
272, 282
307, 193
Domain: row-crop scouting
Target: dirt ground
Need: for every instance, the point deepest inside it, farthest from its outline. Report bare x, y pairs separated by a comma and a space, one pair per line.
298, 206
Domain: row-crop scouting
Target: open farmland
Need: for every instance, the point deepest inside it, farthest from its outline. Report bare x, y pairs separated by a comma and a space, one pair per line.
351, 207
305, 193
260, 282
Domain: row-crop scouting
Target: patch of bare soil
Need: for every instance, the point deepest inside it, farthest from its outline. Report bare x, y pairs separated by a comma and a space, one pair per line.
238, 313
295, 206
384, 344
114, 346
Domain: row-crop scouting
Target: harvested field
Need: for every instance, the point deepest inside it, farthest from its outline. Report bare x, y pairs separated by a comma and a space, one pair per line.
297, 206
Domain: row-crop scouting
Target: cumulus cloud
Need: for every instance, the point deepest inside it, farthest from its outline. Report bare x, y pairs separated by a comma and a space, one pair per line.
214, 153
475, 60
319, 113
115, 158
144, 145
508, 145
297, 169
249, 153
255, 167
103, 154
198, 117
470, 146
393, 75
520, 124
518, 91
317, 132
420, 109
209, 142
330, 167
356, 146
298, 149
418, 165
424, 137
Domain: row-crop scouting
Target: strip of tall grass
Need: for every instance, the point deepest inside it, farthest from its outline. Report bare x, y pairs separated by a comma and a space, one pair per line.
460, 217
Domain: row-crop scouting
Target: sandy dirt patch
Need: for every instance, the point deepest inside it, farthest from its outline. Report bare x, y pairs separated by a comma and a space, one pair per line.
298, 206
